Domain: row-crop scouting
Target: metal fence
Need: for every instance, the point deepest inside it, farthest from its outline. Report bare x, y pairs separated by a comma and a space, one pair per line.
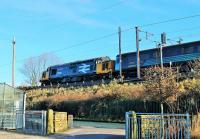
157, 126
11, 100
34, 122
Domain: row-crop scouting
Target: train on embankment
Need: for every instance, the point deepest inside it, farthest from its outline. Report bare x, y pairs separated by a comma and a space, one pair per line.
105, 68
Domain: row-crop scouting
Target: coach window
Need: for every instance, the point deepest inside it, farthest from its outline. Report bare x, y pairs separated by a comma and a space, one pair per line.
54, 71
198, 48
154, 54
188, 50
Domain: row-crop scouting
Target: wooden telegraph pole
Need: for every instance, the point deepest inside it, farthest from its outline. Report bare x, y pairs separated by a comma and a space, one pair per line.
163, 42
120, 55
138, 52
13, 62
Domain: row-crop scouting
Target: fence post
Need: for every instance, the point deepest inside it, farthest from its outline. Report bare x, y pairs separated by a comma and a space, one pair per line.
131, 125
188, 125
3, 116
44, 113
134, 128
42, 122
127, 128
24, 111
70, 121
162, 122
50, 122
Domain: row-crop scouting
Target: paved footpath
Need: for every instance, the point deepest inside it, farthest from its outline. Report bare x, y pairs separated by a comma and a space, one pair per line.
78, 133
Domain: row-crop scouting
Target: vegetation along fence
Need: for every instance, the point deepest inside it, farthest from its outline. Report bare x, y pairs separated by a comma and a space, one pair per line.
113, 109
157, 126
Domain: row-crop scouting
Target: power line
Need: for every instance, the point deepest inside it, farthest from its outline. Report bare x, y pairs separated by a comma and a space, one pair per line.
76, 45
174, 31
179, 30
94, 40
69, 55
186, 35
91, 41
185, 29
172, 38
170, 20
109, 35
85, 42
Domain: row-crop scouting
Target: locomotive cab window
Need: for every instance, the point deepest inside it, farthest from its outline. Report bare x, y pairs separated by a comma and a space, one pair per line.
43, 74
54, 71
105, 66
153, 54
98, 61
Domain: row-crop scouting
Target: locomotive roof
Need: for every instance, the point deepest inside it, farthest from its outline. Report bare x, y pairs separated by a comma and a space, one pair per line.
104, 58
175, 45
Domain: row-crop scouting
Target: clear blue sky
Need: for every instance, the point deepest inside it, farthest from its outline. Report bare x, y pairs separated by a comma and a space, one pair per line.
42, 26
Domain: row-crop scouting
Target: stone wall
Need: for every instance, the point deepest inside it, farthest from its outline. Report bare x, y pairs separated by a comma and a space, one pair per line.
56, 121
60, 121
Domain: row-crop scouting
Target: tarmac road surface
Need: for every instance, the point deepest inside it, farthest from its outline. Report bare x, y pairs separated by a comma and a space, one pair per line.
76, 133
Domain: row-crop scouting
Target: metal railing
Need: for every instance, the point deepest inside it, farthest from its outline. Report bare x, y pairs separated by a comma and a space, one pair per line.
157, 126
34, 122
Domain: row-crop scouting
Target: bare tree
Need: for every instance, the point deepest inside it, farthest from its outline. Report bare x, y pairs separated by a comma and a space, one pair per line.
161, 85
33, 67
195, 68
192, 87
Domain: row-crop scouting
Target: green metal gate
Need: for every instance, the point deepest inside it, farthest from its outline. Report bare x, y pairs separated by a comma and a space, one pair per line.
157, 126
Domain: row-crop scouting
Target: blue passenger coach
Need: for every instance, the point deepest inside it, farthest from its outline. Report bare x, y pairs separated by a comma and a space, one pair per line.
178, 54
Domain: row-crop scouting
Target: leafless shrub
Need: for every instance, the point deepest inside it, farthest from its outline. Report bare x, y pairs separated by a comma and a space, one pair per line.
161, 85
33, 67
195, 68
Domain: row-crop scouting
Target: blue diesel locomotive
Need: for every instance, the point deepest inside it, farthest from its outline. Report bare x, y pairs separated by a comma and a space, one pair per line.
104, 67
91, 69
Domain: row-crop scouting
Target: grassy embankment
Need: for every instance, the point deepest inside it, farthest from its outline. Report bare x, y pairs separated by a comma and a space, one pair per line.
105, 102
110, 102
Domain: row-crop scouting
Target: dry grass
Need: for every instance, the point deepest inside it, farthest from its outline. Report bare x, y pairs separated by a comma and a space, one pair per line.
195, 134
105, 102
125, 91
